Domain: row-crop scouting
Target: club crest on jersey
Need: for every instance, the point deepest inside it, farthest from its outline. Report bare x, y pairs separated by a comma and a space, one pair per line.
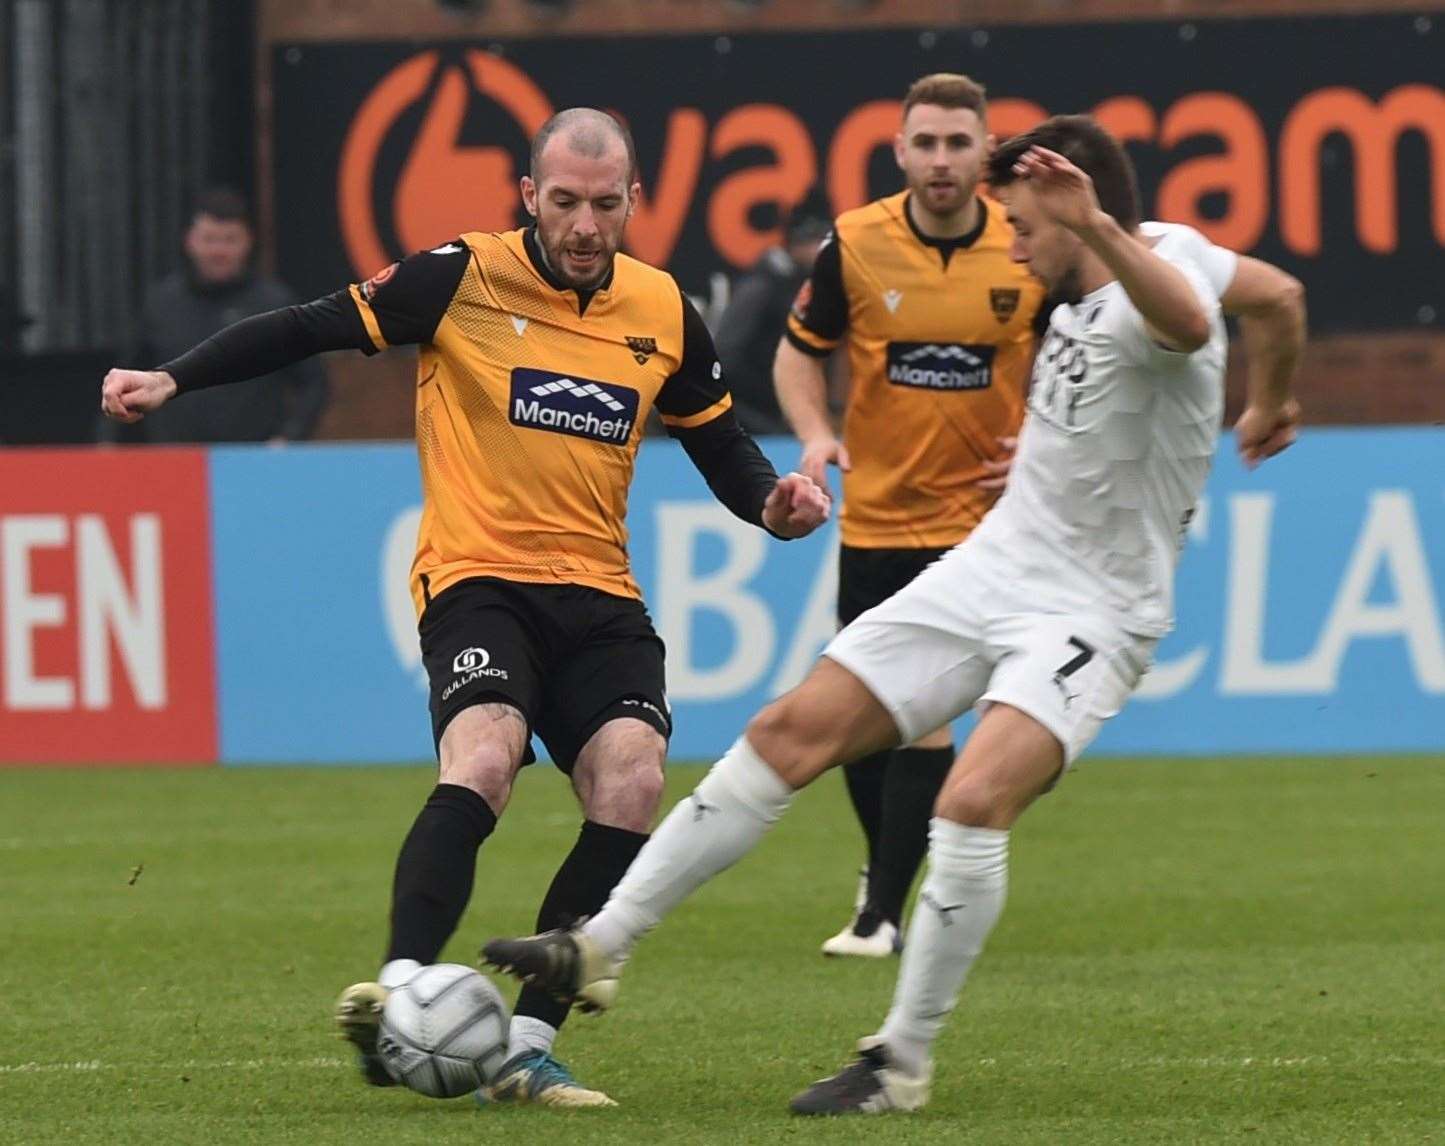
642, 348
1004, 301
567, 404
377, 281
802, 299
940, 365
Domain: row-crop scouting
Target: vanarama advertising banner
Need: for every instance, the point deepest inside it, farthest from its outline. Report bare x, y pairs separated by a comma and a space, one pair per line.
1317, 144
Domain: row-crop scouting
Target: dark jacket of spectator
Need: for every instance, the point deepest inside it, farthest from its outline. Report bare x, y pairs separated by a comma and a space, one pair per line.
181, 311
748, 334
217, 287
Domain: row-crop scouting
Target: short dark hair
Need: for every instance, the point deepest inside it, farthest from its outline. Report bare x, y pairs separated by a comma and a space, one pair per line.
222, 204
592, 127
1083, 142
946, 89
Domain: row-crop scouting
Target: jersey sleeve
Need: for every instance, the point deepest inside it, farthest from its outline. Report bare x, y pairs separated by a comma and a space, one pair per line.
1139, 345
696, 408
403, 304
819, 315
1217, 264
695, 393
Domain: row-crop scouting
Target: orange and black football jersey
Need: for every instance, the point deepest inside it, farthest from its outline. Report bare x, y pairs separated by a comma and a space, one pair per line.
939, 337
531, 400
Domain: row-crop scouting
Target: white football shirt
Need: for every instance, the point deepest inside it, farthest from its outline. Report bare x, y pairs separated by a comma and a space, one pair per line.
1217, 264
1112, 458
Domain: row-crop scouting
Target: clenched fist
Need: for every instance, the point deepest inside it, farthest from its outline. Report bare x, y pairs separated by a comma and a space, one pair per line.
796, 507
129, 395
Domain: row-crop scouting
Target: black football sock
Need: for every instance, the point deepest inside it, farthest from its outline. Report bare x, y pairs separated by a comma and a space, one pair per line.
434, 872
865, 789
914, 778
595, 865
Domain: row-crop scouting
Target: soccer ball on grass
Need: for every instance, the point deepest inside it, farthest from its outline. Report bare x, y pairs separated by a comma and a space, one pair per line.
444, 1032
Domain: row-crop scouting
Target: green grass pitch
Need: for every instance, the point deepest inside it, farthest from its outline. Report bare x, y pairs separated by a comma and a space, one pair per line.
1193, 951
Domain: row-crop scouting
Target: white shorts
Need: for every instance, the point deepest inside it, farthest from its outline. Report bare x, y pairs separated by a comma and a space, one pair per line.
945, 643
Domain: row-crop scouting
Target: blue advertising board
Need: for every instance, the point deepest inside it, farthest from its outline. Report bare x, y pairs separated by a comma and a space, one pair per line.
1309, 600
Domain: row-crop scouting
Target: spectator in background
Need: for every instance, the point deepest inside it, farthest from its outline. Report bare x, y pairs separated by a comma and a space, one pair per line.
219, 286
752, 325
13, 322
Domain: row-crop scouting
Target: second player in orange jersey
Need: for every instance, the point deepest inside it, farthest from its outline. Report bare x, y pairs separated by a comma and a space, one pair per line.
937, 323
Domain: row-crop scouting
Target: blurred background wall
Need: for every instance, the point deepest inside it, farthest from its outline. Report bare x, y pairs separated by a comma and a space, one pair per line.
113, 114
1311, 133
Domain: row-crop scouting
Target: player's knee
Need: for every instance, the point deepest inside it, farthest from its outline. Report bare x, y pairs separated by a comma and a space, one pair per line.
625, 792
484, 768
974, 800
792, 741
639, 775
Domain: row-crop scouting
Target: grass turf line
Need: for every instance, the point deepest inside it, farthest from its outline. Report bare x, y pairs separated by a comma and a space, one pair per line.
1200, 951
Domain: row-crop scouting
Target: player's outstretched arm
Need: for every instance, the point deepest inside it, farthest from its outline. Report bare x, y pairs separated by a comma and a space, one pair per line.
255, 346
1159, 290
401, 305
129, 395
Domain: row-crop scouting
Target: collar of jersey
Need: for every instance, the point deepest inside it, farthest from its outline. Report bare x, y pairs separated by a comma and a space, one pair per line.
946, 247
539, 264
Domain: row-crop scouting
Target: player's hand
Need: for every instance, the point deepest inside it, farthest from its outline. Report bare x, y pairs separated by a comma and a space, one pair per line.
1263, 431
1062, 190
819, 455
129, 395
996, 470
796, 507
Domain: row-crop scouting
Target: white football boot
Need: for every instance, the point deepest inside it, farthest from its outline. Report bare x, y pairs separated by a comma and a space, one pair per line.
867, 934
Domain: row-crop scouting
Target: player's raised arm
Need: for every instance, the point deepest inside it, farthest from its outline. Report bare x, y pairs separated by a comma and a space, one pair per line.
696, 408
401, 305
1162, 294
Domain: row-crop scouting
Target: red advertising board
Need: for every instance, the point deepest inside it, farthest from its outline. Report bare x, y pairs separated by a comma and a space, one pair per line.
106, 635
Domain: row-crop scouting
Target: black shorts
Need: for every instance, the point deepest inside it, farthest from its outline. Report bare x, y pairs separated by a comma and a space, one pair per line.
567, 657
868, 577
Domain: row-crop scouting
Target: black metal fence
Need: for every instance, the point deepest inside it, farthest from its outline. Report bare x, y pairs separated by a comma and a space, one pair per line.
113, 113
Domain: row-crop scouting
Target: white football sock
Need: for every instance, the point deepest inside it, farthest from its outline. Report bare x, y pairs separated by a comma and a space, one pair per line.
961, 899
529, 1034
397, 972
726, 815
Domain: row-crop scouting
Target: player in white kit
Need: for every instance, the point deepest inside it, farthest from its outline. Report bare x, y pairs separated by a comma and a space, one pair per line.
1046, 618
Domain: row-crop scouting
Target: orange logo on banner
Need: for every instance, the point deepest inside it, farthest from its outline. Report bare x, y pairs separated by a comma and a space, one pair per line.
444, 188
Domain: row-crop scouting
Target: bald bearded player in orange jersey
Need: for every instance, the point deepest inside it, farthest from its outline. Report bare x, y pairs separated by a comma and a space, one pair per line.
542, 351
938, 325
